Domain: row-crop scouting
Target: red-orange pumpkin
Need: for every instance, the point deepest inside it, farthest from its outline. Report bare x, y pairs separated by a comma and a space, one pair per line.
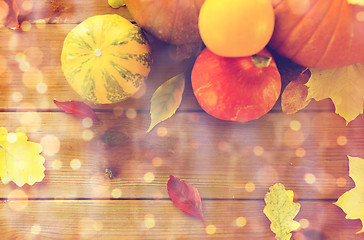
172, 21
319, 33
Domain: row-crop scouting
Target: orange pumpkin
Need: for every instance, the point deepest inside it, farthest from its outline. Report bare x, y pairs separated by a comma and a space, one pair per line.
319, 33
172, 21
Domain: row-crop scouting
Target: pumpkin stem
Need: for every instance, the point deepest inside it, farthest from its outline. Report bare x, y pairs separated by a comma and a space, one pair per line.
97, 52
261, 61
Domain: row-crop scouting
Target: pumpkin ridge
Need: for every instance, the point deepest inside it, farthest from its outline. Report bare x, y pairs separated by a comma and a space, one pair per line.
290, 32
317, 29
171, 37
328, 49
142, 12
106, 58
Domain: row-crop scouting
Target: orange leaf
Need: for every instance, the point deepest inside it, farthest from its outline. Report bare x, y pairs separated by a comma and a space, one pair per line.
294, 96
185, 196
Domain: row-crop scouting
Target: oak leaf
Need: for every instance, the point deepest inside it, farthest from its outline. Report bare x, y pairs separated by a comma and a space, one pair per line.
281, 210
166, 100
351, 202
20, 159
344, 85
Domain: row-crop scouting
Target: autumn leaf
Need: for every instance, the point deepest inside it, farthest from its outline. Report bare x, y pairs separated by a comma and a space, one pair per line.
14, 12
185, 196
166, 100
20, 161
351, 202
10, 11
356, 2
294, 96
344, 85
281, 210
77, 107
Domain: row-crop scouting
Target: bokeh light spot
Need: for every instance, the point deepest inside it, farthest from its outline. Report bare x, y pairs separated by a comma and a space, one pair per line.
250, 187
300, 152
116, 193
210, 229
50, 144
87, 122
31, 121
26, 26
157, 161
149, 221
131, 113
295, 125
75, 164
118, 111
310, 178
56, 164
27, 5
342, 140
87, 135
241, 221
11, 138
35, 229
149, 177
42, 88
360, 16
341, 182
304, 223
17, 96
162, 131
18, 200
98, 226
258, 150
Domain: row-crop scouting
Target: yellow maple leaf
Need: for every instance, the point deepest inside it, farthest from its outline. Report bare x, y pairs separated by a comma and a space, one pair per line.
281, 210
20, 161
356, 2
344, 85
352, 201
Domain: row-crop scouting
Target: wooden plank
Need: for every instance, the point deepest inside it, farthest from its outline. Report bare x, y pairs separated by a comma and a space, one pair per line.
31, 61
70, 11
220, 158
132, 220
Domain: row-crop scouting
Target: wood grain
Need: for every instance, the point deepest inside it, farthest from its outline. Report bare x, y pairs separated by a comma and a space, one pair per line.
218, 157
231, 164
114, 219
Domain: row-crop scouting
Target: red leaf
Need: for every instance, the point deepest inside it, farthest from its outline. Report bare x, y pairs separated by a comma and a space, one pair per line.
185, 196
77, 107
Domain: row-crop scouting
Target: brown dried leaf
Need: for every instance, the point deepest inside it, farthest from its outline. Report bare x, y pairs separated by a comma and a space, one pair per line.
294, 96
45, 10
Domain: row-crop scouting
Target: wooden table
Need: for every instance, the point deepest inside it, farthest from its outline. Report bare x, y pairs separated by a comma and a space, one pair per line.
231, 164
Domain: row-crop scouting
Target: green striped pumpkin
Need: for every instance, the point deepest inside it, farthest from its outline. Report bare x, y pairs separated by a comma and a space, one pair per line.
106, 59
